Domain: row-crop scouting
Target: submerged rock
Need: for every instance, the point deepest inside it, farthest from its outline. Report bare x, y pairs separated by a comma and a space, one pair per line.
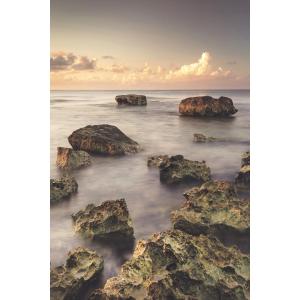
174, 265
207, 106
214, 208
178, 169
201, 138
103, 139
242, 180
131, 99
81, 268
70, 159
62, 188
108, 220
157, 160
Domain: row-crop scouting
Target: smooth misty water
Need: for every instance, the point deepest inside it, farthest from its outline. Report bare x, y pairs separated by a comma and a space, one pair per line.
159, 129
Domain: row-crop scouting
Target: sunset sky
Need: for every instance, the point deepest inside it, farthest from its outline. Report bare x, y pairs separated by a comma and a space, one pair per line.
149, 44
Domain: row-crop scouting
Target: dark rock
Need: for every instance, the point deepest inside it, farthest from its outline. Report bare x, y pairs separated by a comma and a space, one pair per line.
207, 106
175, 265
110, 219
178, 169
242, 180
157, 160
131, 99
103, 139
201, 138
62, 188
70, 159
82, 267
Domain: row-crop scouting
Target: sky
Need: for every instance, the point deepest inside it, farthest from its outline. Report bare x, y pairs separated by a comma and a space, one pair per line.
150, 44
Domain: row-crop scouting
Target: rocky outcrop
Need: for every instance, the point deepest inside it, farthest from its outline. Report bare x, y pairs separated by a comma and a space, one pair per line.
70, 159
62, 188
201, 138
157, 160
82, 267
175, 265
108, 220
178, 169
207, 106
103, 139
242, 180
131, 99
213, 208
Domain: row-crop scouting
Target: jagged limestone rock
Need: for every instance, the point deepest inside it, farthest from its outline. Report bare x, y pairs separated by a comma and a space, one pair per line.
69, 159
201, 138
242, 179
157, 160
131, 99
63, 188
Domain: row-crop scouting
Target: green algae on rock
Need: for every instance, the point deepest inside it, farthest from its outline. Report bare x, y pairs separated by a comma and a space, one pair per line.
178, 169
82, 267
242, 179
63, 188
175, 265
108, 220
69, 159
103, 139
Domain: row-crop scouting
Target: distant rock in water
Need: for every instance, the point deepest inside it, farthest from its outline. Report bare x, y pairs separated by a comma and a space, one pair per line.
242, 180
207, 106
108, 220
157, 160
201, 138
214, 208
82, 267
103, 139
175, 265
70, 159
178, 169
131, 99
62, 188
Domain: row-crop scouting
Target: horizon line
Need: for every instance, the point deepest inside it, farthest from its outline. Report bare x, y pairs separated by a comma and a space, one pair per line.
104, 90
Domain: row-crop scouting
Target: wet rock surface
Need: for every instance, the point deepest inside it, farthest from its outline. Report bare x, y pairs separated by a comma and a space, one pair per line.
242, 180
157, 160
70, 159
82, 267
214, 209
178, 169
131, 99
103, 139
175, 265
109, 220
207, 106
201, 138
63, 188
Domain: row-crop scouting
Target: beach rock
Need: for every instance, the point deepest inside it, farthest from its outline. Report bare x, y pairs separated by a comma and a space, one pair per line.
103, 139
201, 138
108, 220
207, 106
62, 188
242, 180
178, 169
157, 160
70, 159
213, 208
82, 267
175, 265
131, 99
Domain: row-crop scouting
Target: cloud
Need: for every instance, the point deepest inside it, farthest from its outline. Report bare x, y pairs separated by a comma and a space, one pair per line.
118, 68
108, 57
220, 72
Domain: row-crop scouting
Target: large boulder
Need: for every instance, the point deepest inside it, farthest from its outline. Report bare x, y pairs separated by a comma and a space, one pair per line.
207, 106
214, 209
82, 267
70, 159
131, 99
175, 265
63, 188
157, 160
103, 139
108, 220
242, 179
178, 169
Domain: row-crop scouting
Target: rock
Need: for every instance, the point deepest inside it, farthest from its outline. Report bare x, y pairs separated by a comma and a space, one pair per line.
242, 180
201, 138
82, 267
70, 159
207, 106
131, 99
174, 265
62, 188
108, 220
177, 169
103, 139
157, 160
214, 208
